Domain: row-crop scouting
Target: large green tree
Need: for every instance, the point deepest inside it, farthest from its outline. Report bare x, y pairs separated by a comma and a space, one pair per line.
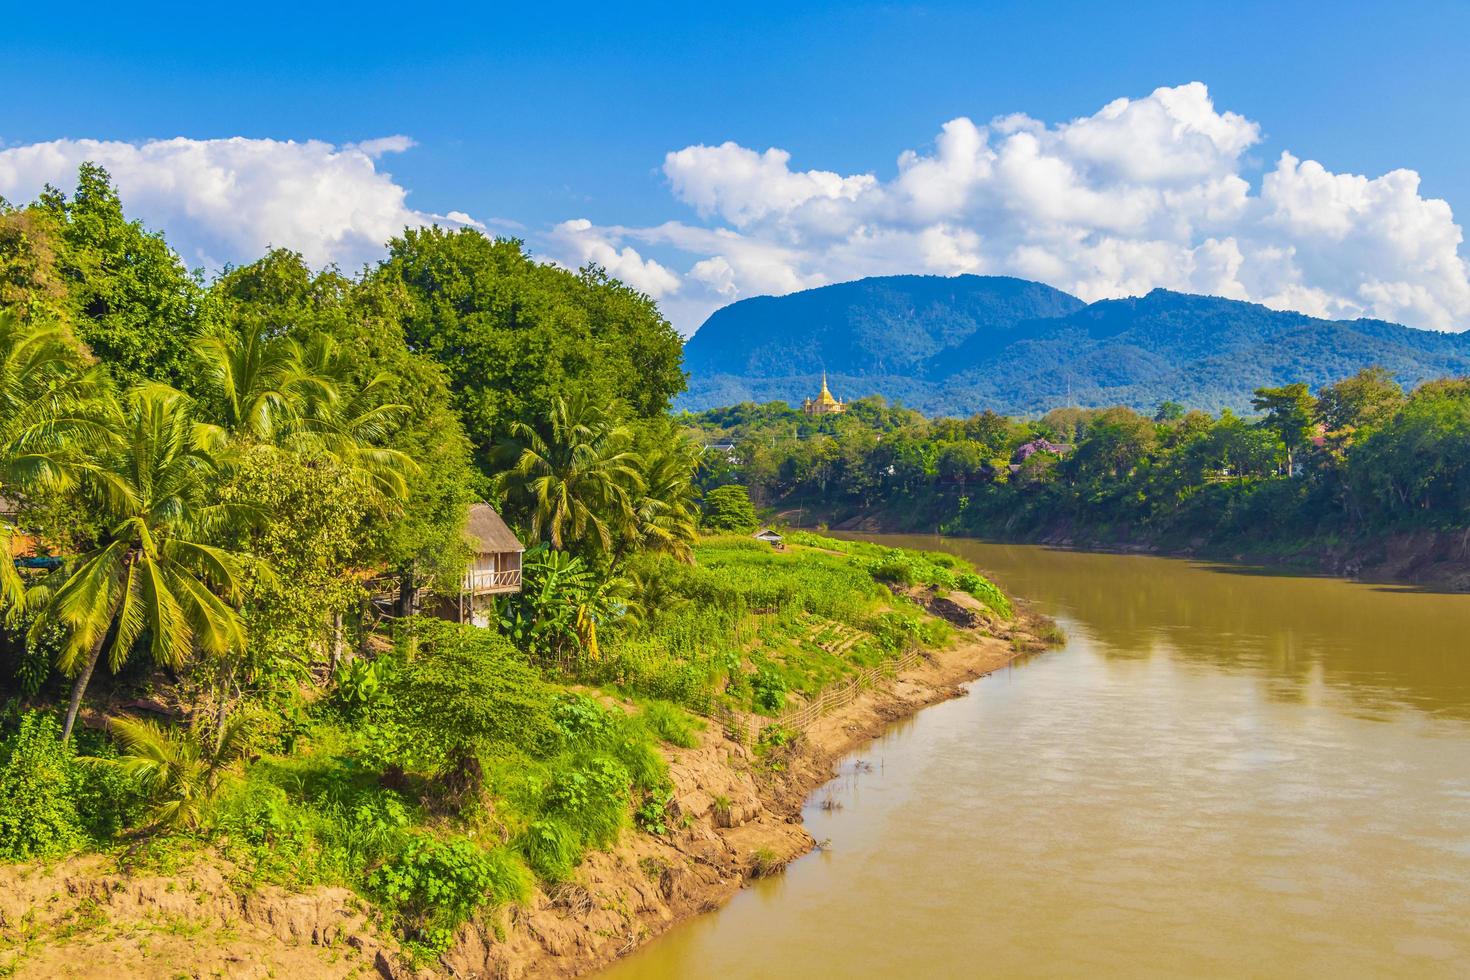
1365, 401
514, 334
127, 295
385, 409
1289, 412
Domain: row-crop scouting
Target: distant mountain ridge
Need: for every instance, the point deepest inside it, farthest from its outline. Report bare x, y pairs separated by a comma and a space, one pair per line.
956, 345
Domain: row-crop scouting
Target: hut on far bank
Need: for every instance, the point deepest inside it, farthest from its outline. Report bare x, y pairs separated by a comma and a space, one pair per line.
770, 537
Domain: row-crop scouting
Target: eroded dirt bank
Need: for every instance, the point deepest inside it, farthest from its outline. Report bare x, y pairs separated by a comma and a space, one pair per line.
736, 817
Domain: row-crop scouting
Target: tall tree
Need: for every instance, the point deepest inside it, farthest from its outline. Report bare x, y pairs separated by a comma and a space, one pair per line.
514, 334
1290, 413
154, 570
1365, 401
129, 297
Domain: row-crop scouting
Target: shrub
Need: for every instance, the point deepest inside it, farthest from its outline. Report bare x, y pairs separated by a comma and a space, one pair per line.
984, 590
358, 683
769, 690
775, 736
465, 689
39, 777
581, 720
434, 885
652, 814
894, 568
592, 800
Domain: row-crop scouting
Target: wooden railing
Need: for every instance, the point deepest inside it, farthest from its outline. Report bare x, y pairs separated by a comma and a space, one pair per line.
476, 582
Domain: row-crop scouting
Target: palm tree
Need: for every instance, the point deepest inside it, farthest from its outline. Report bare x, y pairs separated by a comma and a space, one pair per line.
665, 512
348, 419
153, 569
51, 403
246, 381
302, 396
178, 770
579, 477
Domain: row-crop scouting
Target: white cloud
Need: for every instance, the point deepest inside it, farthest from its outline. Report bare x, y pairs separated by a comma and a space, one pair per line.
743, 186
1150, 192
1144, 193
227, 200
584, 243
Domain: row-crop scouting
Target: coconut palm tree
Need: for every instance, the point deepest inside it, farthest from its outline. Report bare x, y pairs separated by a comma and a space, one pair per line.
52, 403
267, 389
665, 511
153, 569
578, 476
347, 418
246, 381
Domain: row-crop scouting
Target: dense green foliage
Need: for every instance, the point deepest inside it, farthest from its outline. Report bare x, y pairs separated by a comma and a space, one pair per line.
38, 805
228, 502
514, 334
728, 508
1359, 456
952, 346
124, 293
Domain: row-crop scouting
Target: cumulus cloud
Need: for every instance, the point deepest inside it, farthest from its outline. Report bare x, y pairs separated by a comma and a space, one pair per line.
1144, 193
227, 200
578, 241
1159, 191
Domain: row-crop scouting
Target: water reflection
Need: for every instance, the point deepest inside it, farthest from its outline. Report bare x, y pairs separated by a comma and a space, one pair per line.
1382, 648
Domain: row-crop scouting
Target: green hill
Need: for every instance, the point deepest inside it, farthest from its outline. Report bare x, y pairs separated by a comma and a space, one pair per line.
963, 344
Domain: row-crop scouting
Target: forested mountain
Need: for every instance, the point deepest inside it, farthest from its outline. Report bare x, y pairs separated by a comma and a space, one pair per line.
964, 344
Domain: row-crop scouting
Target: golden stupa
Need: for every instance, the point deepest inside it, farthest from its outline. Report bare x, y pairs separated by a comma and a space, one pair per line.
824, 403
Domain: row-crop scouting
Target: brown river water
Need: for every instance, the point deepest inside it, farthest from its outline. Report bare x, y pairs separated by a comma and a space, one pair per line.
1222, 773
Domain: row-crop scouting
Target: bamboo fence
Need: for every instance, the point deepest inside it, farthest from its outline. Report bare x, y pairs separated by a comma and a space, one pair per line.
746, 728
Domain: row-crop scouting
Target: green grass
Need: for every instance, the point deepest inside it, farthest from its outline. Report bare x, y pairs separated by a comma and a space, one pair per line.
746, 626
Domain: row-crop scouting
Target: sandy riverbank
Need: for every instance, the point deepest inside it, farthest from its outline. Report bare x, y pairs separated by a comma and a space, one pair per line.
737, 816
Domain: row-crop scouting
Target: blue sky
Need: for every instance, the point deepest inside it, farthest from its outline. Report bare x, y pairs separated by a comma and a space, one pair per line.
539, 118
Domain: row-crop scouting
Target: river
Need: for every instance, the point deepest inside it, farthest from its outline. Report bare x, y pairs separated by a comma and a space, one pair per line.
1222, 772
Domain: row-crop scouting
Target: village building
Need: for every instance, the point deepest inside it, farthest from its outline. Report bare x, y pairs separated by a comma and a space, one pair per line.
495, 568
1030, 449
824, 403
23, 546
770, 537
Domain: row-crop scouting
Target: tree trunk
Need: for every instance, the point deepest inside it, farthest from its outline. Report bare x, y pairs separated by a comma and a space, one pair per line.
405, 592
80, 687
339, 644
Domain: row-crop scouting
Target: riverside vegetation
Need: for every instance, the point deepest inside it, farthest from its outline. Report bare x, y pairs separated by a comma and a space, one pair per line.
1356, 460
207, 484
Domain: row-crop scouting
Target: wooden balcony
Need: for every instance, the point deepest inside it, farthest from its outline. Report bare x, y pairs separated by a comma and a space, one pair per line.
492, 582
